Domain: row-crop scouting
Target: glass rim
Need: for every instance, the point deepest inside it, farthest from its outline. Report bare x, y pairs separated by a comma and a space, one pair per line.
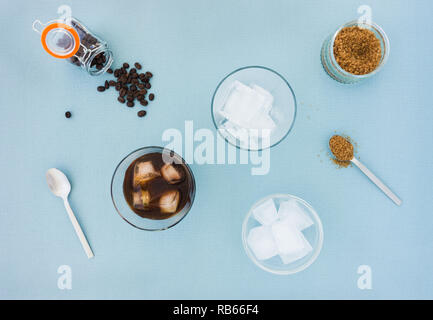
192, 192
252, 67
384, 58
110, 61
301, 267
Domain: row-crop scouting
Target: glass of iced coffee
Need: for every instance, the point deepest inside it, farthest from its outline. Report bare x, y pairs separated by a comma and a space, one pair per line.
153, 188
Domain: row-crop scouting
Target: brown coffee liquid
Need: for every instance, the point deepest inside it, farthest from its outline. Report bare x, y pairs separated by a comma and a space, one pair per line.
157, 187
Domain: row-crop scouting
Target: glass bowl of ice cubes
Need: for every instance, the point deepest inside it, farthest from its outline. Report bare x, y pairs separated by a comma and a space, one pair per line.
282, 234
253, 108
153, 188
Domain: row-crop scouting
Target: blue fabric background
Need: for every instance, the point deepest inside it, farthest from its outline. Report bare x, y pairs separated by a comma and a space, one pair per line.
190, 46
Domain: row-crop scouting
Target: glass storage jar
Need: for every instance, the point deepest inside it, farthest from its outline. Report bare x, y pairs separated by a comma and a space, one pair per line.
75, 43
333, 68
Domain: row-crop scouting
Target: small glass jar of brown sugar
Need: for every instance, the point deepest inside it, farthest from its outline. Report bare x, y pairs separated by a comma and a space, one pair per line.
356, 51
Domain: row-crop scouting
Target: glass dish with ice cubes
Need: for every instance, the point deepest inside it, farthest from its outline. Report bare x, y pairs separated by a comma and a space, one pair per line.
282, 234
253, 108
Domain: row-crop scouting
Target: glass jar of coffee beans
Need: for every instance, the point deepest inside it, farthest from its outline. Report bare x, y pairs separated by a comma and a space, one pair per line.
75, 43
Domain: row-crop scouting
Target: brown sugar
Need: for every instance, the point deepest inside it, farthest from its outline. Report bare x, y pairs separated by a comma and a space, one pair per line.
342, 149
357, 50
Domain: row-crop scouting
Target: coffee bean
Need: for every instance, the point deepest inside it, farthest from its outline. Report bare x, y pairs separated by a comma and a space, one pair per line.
131, 84
68, 114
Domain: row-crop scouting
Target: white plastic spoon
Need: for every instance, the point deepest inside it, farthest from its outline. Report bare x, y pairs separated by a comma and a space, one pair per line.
376, 181
344, 151
60, 186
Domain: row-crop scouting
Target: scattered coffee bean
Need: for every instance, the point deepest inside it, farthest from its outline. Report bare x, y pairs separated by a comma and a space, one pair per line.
132, 85
68, 114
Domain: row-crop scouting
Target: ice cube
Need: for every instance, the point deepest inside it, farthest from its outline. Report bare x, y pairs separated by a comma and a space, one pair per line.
292, 257
262, 243
140, 199
262, 121
266, 213
293, 212
243, 104
169, 201
144, 172
172, 173
290, 242
269, 99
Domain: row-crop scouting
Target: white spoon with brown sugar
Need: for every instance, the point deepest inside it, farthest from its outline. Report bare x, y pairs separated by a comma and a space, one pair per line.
342, 149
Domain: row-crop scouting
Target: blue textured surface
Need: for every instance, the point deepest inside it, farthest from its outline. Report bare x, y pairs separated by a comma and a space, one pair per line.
190, 46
